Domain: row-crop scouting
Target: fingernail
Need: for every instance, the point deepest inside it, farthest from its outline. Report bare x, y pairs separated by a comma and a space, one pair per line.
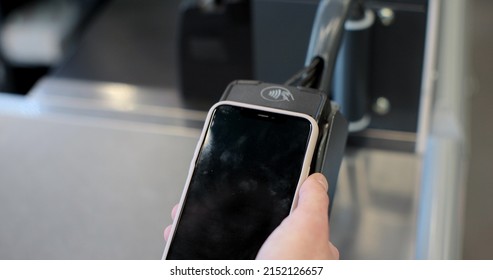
321, 179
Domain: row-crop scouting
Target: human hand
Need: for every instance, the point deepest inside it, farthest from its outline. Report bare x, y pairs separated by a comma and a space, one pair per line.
304, 234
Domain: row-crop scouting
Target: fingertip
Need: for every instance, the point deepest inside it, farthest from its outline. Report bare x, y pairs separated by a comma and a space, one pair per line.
320, 178
313, 194
174, 211
315, 182
167, 232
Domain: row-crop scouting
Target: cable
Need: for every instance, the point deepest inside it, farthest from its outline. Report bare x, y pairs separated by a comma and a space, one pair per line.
309, 76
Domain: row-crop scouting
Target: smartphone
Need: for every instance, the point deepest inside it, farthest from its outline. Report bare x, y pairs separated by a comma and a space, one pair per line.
243, 181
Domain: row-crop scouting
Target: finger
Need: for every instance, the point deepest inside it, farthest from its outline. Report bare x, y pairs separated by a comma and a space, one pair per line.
334, 252
173, 212
167, 232
313, 196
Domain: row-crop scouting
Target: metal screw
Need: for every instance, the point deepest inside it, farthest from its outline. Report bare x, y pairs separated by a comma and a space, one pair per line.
387, 16
381, 106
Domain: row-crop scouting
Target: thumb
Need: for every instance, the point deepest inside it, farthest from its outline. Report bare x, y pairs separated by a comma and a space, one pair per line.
313, 199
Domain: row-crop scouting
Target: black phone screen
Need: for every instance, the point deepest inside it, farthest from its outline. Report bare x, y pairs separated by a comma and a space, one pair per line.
243, 183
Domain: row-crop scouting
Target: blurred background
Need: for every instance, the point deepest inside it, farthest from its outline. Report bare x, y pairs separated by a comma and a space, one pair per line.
102, 103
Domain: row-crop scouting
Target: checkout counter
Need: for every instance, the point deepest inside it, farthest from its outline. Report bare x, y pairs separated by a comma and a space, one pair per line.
96, 155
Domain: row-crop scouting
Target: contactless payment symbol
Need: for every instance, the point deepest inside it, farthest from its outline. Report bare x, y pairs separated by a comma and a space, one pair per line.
276, 94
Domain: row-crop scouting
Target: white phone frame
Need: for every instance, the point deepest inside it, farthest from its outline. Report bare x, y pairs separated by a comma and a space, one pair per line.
312, 142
